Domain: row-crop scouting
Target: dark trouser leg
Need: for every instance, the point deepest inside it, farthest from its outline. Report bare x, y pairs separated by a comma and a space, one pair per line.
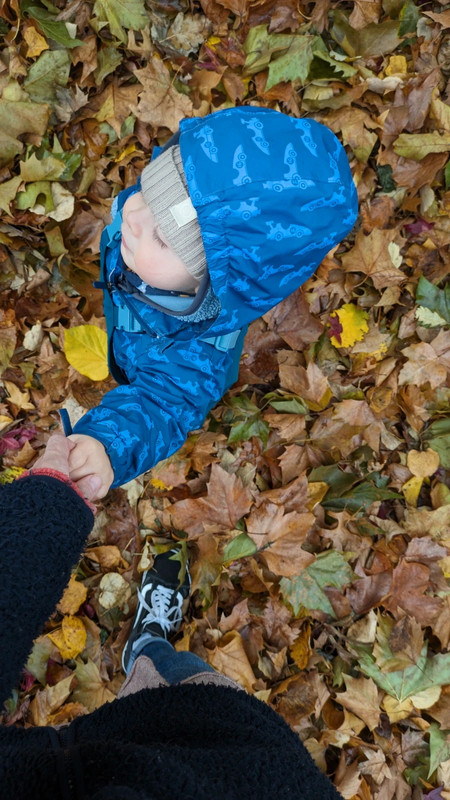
174, 667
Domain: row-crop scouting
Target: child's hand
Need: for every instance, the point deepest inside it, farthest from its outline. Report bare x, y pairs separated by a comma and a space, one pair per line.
89, 457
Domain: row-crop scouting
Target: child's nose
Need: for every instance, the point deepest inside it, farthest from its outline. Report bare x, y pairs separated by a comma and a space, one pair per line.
134, 224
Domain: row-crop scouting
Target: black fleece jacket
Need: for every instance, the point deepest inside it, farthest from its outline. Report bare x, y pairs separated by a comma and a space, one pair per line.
170, 743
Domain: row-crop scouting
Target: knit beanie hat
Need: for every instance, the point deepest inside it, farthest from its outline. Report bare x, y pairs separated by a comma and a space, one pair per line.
164, 187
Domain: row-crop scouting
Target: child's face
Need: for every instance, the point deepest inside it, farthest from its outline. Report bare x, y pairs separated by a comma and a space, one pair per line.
146, 251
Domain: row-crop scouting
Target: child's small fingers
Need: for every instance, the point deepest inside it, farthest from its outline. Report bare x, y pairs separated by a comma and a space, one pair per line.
77, 473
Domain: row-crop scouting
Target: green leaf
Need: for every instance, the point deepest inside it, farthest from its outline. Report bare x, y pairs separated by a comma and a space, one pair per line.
419, 145
287, 404
306, 590
438, 438
375, 39
324, 67
429, 319
51, 27
120, 14
294, 64
260, 46
252, 426
239, 547
384, 172
405, 683
47, 73
39, 190
430, 296
409, 17
108, 59
17, 118
439, 746
447, 175
338, 480
359, 498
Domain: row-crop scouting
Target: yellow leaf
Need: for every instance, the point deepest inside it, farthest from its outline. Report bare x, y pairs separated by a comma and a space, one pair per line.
9, 475
36, 43
422, 464
411, 490
157, 484
74, 596
86, 349
354, 325
124, 153
316, 492
397, 66
301, 649
70, 639
211, 42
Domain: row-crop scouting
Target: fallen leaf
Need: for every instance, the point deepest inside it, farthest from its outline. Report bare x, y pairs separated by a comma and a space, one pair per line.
230, 659
74, 596
279, 538
85, 347
226, 502
70, 639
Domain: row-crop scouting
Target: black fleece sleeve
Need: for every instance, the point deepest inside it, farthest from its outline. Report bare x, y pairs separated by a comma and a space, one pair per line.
44, 525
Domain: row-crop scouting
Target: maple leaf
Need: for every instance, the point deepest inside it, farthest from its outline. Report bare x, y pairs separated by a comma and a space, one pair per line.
226, 502
373, 256
281, 536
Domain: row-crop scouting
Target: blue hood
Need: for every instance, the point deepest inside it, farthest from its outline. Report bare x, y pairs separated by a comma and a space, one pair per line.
273, 195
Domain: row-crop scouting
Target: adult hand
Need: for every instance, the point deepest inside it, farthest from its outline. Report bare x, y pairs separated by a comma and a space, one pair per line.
56, 456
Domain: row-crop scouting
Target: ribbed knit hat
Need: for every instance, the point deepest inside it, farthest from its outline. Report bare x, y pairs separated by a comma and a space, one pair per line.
165, 191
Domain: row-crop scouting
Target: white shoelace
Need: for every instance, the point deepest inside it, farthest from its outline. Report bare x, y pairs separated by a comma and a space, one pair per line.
159, 610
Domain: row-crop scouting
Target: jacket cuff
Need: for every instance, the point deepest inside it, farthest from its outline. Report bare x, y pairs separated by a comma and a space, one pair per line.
60, 476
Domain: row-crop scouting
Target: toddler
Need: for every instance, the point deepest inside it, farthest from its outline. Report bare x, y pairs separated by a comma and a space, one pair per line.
231, 216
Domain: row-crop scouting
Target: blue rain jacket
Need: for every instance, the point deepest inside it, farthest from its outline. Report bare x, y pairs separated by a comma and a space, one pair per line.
273, 195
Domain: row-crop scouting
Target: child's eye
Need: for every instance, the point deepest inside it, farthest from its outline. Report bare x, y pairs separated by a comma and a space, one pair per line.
158, 240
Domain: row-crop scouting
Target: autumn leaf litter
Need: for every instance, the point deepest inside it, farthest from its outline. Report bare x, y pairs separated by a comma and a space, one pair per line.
314, 501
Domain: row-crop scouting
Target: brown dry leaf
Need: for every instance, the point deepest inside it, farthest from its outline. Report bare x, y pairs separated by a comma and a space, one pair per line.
410, 581
310, 384
423, 464
159, 103
293, 321
226, 502
364, 12
115, 591
107, 555
361, 698
301, 650
423, 366
91, 691
377, 255
280, 537
48, 700
229, 658
426, 522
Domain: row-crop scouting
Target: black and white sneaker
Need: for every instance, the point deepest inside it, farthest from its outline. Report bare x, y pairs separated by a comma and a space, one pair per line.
162, 602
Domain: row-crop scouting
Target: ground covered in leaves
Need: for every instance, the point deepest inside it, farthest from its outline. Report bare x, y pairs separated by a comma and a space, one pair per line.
314, 502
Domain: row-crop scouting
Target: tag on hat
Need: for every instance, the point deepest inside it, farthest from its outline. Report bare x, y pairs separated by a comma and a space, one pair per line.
183, 212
